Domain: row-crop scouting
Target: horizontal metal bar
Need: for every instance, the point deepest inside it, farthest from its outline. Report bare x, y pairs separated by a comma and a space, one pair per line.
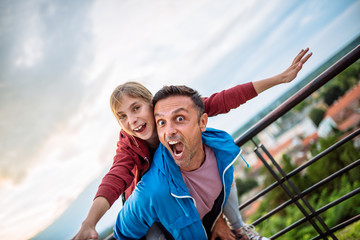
341, 225
325, 152
307, 191
321, 210
288, 192
339, 200
300, 168
332, 176
296, 190
260, 194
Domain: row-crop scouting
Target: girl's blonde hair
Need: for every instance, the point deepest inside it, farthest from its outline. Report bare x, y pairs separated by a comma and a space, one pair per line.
131, 89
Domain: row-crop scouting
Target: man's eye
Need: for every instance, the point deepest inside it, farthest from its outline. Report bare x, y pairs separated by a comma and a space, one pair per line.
180, 118
160, 122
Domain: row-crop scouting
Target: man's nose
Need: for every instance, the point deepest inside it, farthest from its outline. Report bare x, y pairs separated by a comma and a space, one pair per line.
170, 129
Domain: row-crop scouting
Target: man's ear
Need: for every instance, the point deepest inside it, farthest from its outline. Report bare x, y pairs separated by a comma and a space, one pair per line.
203, 122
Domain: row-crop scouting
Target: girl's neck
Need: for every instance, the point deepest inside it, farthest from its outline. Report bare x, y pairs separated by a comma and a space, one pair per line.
153, 142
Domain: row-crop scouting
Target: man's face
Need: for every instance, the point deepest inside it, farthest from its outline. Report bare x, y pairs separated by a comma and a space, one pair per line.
179, 130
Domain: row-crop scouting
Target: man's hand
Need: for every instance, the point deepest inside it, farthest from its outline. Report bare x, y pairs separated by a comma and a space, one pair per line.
222, 231
86, 232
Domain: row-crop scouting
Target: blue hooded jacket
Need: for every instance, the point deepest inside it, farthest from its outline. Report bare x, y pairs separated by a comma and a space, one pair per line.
162, 196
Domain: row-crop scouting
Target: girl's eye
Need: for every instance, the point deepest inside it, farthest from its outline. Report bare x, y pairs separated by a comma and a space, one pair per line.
160, 122
180, 118
122, 116
136, 108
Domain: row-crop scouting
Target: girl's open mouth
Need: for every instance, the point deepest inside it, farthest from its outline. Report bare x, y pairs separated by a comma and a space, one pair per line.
140, 129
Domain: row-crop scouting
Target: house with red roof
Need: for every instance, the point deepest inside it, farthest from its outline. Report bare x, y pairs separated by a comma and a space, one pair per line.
344, 114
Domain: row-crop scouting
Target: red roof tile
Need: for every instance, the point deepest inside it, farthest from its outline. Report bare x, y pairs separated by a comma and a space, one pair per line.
309, 139
346, 100
351, 121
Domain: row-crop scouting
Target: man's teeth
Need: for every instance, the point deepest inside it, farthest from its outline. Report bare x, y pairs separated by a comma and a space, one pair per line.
173, 142
172, 145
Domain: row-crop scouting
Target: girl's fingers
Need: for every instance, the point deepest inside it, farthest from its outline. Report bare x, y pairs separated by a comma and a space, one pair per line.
300, 55
306, 58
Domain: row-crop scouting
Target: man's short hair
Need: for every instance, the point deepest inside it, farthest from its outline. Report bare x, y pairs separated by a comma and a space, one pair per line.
180, 90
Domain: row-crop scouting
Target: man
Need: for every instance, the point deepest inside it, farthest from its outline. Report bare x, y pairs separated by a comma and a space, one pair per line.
190, 178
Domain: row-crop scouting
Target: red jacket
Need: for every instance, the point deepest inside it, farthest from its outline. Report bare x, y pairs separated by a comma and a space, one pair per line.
132, 157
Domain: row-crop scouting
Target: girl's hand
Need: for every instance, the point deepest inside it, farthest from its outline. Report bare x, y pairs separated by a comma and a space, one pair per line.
290, 74
85, 233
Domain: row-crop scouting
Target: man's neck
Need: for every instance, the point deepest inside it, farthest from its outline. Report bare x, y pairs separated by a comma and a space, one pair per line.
197, 160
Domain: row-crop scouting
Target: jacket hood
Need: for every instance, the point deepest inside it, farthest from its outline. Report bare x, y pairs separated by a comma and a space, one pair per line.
138, 145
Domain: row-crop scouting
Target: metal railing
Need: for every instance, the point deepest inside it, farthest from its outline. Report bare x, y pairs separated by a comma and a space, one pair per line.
295, 196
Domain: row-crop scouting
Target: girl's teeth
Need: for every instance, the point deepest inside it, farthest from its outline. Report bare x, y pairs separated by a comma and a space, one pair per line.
138, 128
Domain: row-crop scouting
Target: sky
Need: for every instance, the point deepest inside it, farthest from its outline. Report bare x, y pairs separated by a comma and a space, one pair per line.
60, 61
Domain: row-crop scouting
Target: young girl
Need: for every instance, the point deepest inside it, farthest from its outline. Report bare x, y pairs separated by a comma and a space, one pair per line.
138, 140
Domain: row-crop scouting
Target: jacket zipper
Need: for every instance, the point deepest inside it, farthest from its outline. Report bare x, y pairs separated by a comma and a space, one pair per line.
186, 214
177, 197
223, 178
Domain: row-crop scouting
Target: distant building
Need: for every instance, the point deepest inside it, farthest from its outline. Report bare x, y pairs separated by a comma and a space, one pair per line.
326, 127
294, 134
279, 141
282, 137
344, 114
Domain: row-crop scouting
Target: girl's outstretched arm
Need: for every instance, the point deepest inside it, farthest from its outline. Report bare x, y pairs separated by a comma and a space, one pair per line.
98, 209
287, 76
224, 101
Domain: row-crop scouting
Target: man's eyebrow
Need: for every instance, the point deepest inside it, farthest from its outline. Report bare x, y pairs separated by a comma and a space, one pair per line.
173, 112
179, 110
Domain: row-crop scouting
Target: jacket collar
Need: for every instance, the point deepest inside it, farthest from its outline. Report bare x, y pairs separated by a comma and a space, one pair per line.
215, 139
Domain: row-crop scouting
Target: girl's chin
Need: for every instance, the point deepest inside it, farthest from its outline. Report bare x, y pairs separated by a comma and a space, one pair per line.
143, 136
149, 137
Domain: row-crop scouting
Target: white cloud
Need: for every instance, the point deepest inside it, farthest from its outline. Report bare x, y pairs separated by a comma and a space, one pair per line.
336, 34
72, 156
170, 38
29, 45
30, 52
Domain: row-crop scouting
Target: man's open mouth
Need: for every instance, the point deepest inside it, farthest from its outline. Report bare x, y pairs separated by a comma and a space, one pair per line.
177, 148
140, 128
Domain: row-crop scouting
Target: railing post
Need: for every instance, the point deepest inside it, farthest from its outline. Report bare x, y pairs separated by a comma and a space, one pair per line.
287, 191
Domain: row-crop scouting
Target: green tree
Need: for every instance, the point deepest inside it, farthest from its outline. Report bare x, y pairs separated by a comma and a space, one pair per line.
332, 94
316, 115
324, 167
343, 82
244, 186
